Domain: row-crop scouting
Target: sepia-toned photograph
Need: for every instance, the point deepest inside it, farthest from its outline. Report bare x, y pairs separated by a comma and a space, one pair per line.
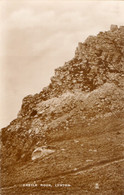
61, 97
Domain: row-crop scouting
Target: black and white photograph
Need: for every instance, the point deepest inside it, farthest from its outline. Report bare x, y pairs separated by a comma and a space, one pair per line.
61, 97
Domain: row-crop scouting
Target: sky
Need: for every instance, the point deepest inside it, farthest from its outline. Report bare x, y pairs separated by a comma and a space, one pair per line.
37, 36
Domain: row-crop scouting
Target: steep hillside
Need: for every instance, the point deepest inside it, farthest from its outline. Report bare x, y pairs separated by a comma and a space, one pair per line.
72, 131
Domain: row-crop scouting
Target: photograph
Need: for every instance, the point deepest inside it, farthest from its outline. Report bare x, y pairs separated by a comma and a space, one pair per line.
61, 97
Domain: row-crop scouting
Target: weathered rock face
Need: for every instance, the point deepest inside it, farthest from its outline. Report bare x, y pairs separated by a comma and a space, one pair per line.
41, 152
98, 60
87, 87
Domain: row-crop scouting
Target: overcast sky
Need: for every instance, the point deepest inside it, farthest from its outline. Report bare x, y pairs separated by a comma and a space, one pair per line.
37, 36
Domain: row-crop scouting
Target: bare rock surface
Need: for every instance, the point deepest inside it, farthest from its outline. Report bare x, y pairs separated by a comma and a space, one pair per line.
68, 139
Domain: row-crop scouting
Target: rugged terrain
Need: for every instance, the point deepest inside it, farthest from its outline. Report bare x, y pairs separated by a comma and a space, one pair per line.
68, 139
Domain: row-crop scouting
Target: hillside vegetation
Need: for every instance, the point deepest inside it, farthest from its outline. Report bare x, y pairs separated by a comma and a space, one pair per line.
72, 132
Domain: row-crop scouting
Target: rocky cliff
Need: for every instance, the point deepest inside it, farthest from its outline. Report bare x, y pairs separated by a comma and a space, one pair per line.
97, 61
87, 90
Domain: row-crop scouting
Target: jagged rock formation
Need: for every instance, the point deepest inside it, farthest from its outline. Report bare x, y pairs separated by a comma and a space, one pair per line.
98, 60
88, 88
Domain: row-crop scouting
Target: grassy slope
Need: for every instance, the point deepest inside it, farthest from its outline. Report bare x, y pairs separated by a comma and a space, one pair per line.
101, 142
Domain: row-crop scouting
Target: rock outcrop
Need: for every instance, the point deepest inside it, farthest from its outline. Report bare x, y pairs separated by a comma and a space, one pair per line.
88, 88
97, 61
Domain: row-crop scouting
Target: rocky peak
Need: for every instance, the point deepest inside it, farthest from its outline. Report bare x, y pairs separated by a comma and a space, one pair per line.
88, 86
99, 59
113, 27
73, 125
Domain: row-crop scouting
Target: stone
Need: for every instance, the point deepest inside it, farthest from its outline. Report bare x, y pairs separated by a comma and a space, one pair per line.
122, 28
96, 186
113, 27
79, 46
41, 152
